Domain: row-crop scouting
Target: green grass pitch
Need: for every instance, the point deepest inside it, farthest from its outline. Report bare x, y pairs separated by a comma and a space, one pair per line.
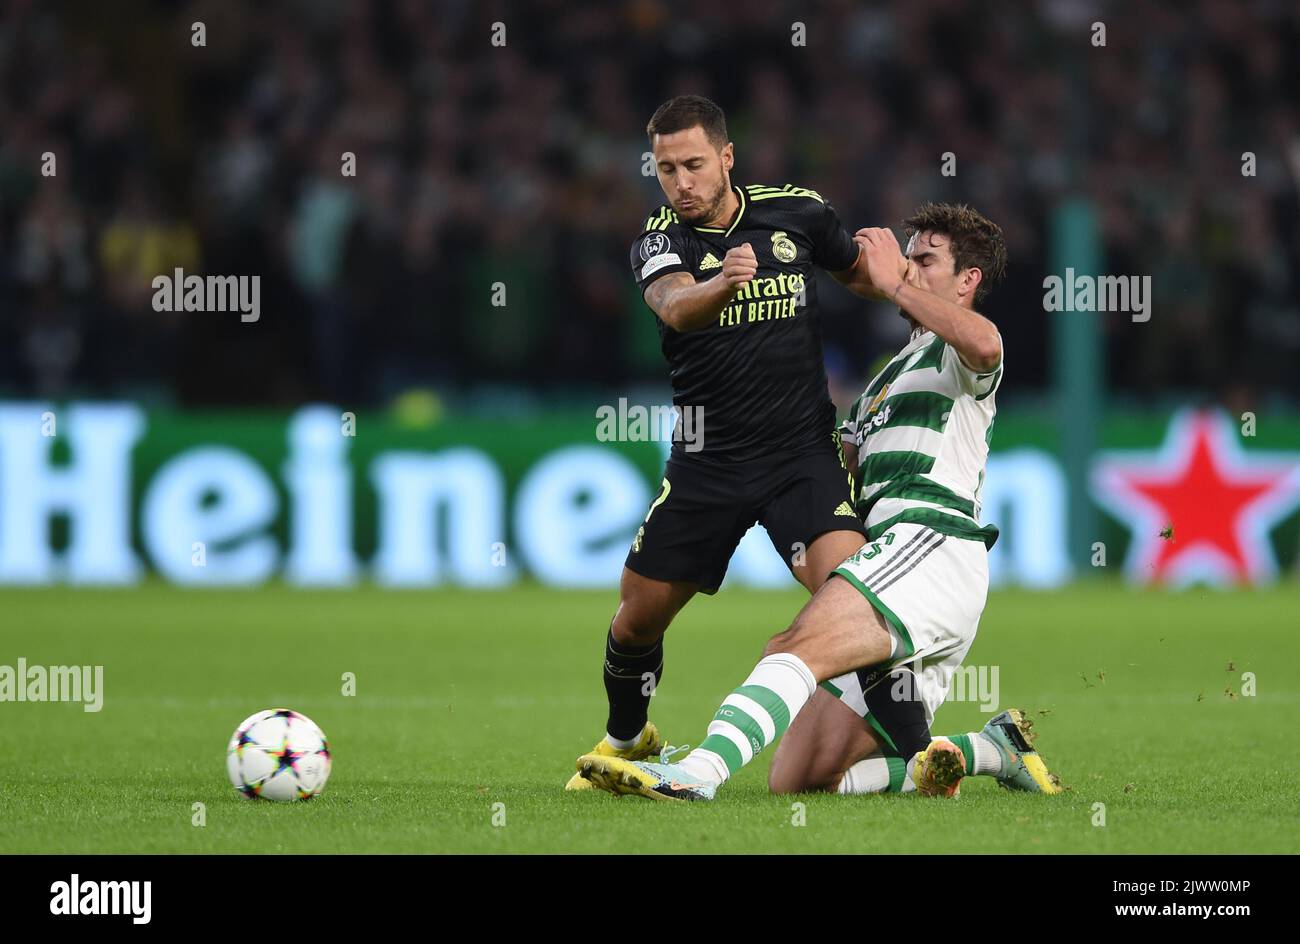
466, 700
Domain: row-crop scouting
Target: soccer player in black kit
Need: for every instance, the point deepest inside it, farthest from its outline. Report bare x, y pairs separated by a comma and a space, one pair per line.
728, 271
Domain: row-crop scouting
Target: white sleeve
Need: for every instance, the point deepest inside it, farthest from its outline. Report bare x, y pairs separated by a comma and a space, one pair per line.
979, 385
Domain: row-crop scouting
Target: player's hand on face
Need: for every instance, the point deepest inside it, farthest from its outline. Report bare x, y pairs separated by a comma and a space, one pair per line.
913, 274
739, 265
886, 265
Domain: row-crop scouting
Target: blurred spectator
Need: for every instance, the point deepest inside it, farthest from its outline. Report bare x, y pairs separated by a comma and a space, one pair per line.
521, 165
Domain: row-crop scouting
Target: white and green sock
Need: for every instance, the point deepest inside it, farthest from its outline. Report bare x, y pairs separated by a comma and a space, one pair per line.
982, 756
879, 773
882, 773
752, 717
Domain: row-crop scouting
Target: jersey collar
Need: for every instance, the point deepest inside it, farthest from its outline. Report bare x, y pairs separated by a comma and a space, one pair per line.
921, 336
740, 211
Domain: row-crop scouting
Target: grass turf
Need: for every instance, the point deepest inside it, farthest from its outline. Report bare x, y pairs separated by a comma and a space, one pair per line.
466, 700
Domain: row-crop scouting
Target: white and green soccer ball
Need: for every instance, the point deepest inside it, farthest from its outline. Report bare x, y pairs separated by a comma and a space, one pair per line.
278, 754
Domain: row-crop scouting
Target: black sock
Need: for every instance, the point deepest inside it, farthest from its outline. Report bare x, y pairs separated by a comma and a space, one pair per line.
626, 685
894, 700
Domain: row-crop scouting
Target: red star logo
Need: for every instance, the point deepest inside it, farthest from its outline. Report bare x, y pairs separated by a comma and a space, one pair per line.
1213, 501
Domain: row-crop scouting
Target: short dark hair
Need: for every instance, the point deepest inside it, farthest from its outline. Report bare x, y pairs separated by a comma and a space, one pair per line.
976, 240
687, 111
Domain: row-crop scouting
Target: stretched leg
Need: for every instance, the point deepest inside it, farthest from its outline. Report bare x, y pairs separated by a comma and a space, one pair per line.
836, 630
831, 747
1002, 750
634, 651
825, 740
634, 648
634, 664
910, 592
852, 738
824, 554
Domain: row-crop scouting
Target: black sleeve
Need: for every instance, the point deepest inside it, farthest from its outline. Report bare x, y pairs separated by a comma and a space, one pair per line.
658, 252
833, 248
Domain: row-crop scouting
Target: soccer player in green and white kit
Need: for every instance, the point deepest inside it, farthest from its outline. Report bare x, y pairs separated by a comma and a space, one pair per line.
908, 603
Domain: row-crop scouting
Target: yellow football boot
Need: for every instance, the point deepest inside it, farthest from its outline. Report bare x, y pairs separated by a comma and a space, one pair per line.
1023, 767
649, 744
654, 781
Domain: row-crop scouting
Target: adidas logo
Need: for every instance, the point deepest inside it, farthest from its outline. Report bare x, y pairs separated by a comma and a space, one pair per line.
710, 261
846, 509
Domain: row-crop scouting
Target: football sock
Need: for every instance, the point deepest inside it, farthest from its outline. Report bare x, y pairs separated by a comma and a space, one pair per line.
623, 743
627, 688
752, 717
879, 773
894, 699
884, 773
982, 755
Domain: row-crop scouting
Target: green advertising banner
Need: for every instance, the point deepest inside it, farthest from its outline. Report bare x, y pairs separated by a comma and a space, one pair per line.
106, 493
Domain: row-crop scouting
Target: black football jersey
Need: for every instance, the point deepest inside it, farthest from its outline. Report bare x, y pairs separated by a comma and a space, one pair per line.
756, 376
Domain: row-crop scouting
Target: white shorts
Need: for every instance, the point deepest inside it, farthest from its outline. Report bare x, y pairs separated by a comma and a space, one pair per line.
930, 587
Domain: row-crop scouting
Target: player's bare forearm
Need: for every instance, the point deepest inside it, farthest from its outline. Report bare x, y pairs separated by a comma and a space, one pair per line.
686, 305
857, 280
972, 336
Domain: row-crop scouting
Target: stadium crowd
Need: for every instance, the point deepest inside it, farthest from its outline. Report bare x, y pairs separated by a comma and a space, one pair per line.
521, 164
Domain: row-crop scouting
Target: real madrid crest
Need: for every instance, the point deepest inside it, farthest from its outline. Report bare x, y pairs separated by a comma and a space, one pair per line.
783, 247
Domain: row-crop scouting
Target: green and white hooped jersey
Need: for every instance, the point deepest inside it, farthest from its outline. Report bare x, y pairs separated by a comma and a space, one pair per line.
922, 430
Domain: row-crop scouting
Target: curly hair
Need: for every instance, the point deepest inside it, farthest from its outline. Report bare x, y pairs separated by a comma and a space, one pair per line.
976, 240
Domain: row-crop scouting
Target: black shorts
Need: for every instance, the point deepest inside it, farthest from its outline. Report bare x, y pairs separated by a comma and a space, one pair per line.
704, 509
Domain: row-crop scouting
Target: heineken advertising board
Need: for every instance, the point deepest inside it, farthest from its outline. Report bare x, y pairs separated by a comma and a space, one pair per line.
109, 493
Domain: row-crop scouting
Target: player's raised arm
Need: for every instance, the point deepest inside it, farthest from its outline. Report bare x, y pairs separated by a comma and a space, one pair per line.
686, 305
857, 278
837, 252
971, 335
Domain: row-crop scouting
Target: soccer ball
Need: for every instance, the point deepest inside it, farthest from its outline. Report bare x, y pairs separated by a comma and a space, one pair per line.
278, 754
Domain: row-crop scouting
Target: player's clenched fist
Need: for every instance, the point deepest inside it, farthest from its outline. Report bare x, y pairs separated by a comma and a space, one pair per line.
886, 265
739, 265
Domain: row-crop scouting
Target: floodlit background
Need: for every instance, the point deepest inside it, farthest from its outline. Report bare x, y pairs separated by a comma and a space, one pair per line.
1173, 151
